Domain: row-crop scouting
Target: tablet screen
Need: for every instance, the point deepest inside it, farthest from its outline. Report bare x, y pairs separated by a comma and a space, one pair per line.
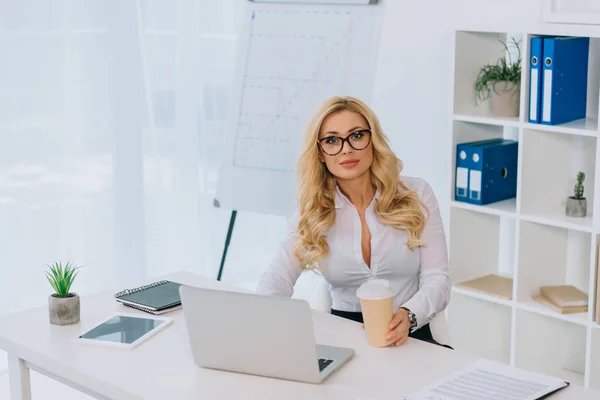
122, 329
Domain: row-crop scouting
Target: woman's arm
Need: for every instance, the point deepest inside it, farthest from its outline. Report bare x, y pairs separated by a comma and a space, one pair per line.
434, 277
282, 274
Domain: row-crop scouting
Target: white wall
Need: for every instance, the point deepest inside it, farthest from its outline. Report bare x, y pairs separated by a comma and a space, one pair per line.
413, 85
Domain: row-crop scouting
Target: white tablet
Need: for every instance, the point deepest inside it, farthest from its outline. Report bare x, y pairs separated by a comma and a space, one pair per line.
124, 330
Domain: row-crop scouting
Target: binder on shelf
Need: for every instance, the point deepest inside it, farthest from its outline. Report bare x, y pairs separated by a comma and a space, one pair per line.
564, 87
464, 163
535, 79
491, 168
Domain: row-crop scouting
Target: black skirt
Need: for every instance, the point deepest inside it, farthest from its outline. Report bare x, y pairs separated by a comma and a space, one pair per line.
423, 333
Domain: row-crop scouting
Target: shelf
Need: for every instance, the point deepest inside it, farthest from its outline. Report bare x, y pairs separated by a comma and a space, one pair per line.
550, 346
537, 308
550, 163
480, 244
489, 120
472, 51
506, 208
481, 296
586, 126
468, 131
479, 327
530, 237
551, 256
560, 220
583, 127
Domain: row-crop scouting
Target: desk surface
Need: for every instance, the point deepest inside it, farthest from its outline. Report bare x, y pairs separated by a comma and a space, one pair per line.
163, 368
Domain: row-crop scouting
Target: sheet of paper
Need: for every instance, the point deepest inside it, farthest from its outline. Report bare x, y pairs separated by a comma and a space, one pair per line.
487, 380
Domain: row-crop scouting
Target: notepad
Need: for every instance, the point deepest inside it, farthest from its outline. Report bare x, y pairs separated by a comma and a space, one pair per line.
486, 379
156, 298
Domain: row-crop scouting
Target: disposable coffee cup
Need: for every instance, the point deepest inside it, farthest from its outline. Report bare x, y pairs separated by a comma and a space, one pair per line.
376, 300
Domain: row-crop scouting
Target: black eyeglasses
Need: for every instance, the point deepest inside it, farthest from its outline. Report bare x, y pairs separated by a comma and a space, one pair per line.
358, 140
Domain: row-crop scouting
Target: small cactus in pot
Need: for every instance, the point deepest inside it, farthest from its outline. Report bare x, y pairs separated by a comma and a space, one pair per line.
577, 204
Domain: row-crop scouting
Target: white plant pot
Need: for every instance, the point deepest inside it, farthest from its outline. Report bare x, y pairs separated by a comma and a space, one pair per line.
504, 99
64, 310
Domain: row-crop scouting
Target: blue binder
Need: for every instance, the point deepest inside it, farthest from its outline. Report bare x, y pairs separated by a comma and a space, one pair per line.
491, 170
535, 79
564, 88
464, 164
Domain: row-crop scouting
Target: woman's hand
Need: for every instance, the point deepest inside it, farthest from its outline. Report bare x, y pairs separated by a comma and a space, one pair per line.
399, 327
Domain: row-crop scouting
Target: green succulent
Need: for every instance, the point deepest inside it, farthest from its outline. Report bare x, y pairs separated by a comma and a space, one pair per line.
505, 70
61, 278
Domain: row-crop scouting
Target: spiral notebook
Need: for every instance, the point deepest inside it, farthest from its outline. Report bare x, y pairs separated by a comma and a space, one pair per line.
156, 298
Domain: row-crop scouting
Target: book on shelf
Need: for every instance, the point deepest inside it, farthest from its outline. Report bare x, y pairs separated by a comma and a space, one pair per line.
491, 285
564, 299
562, 310
565, 295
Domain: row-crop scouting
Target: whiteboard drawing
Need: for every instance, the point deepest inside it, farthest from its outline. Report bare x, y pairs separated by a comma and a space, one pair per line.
279, 93
291, 59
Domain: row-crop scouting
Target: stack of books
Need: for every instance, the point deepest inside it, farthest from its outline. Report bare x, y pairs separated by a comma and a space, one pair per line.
565, 299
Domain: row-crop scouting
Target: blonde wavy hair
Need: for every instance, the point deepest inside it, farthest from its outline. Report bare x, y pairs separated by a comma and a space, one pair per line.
401, 209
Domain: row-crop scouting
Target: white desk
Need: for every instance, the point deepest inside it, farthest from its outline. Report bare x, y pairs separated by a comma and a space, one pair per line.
162, 368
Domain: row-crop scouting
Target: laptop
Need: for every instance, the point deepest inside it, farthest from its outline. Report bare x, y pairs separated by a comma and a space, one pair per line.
257, 334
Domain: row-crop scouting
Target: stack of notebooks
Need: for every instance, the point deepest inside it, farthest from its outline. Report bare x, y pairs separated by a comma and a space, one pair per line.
565, 299
156, 298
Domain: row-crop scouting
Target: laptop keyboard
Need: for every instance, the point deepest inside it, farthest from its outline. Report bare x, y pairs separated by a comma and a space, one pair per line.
323, 363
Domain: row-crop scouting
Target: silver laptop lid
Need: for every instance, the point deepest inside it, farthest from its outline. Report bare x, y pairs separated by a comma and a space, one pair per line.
251, 333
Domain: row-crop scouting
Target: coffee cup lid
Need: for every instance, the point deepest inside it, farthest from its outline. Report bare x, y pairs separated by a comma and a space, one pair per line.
375, 289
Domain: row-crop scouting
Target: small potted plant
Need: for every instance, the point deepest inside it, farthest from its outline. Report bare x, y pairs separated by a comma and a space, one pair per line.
64, 305
577, 204
500, 83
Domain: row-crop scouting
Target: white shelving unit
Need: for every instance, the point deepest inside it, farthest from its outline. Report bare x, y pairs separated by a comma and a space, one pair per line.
528, 238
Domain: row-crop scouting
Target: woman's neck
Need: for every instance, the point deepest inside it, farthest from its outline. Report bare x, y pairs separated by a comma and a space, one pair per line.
359, 191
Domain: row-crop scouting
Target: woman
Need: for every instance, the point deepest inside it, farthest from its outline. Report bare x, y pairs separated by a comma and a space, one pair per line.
358, 220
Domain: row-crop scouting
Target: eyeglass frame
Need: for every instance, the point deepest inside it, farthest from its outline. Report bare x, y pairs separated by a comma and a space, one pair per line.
346, 139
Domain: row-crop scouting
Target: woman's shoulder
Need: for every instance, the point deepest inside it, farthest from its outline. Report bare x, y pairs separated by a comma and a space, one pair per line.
416, 184
420, 186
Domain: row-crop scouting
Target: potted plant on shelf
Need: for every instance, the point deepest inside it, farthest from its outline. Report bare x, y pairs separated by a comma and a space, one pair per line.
63, 305
577, 204
500, 83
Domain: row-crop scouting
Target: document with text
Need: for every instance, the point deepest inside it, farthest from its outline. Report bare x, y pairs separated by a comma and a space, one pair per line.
488, 380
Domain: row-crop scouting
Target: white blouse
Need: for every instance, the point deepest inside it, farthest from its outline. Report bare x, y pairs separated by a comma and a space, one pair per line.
420, 277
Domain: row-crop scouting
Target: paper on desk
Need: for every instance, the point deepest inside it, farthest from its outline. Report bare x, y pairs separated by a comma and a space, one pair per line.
487, 380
